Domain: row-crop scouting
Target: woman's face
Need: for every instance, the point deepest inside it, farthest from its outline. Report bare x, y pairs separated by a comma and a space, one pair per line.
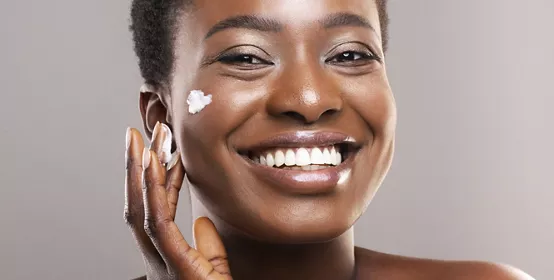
297, 77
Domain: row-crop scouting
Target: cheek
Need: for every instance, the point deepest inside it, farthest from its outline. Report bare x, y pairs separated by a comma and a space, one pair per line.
373, 101
203, 137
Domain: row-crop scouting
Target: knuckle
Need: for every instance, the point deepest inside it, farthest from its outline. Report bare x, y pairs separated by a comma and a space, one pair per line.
132, 164
220, 264
130, 217
153, 226
196, 265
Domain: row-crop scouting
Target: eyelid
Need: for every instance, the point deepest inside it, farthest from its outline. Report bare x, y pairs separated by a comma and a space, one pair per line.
366, 55
236, 52
366, 50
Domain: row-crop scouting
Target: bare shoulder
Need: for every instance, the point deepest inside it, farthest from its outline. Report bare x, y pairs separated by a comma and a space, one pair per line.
376, 265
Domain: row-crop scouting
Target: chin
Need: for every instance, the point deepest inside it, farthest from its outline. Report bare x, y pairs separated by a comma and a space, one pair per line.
298, 224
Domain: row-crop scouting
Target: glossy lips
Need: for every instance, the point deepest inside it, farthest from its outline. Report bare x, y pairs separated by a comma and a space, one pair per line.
302, 162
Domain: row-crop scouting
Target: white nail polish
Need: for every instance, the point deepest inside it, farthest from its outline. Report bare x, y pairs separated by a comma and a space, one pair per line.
146, 156
128, 138
174, 159
197, 101
165, 156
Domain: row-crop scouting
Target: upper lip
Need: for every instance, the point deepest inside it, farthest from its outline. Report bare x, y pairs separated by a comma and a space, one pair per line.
302, 139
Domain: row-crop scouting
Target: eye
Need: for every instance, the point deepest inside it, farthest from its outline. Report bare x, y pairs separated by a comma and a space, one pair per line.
242, 60
351, 58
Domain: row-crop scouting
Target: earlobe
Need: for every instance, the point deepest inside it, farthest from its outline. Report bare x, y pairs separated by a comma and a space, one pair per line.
152, 107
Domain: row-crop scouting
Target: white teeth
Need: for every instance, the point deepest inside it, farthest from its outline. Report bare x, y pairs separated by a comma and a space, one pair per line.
327, 156
333, 156
290, 158
302, 157
317, 156
279, 158
269, 160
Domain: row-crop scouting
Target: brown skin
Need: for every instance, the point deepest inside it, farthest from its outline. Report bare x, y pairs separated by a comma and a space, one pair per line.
292, 80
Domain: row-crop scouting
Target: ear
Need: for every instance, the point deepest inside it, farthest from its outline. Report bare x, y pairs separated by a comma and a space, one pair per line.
154, 107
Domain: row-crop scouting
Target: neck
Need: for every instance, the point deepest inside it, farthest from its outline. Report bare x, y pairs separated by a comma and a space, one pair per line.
251, 259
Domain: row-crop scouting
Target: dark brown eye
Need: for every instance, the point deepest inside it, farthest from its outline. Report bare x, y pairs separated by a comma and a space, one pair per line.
241, 59
351, 57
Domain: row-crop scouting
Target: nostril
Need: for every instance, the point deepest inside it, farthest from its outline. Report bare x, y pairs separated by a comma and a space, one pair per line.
306, 119
295, 115
329, 112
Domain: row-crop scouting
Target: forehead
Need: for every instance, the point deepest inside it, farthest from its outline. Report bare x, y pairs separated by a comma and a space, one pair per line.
291, 13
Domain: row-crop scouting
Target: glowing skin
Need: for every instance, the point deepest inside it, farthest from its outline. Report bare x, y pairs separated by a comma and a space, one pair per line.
197, 101
287, 81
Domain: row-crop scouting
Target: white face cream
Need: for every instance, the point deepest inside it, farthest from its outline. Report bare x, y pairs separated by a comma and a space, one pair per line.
197, 101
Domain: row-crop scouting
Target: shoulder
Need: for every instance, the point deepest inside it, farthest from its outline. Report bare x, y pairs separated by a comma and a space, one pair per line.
487, 270
376, 265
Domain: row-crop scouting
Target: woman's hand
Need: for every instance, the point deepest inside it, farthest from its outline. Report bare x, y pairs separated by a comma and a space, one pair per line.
151, 195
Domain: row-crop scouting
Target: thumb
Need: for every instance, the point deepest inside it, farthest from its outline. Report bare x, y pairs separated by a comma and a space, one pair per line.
209, 244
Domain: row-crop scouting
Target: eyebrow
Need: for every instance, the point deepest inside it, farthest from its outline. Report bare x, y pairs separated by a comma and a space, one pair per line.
270, 25
247, 22
346, 19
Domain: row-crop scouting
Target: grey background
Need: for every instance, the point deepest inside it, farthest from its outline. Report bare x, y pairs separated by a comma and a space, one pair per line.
472, 177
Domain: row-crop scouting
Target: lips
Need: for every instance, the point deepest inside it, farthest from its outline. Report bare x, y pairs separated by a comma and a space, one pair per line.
302, 162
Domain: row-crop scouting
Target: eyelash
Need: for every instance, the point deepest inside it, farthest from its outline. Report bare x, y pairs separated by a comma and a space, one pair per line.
247, 59
358, 57
236, 59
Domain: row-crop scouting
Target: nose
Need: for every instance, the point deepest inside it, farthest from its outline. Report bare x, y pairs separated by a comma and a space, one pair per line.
305, 94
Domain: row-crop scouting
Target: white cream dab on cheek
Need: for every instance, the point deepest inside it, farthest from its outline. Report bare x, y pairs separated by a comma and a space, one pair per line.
197, 101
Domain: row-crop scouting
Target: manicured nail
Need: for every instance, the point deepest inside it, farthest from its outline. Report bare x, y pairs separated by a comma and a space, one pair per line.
128, 138
165, 153
174, 159
146, 156
156, 132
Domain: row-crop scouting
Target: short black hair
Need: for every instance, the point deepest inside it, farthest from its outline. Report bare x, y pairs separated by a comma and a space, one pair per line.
153, 25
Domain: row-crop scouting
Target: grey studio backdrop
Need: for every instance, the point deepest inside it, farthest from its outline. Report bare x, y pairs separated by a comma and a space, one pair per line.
472, 177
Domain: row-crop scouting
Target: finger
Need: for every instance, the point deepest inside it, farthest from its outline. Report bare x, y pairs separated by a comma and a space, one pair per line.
161, 142
175, 177
134, 208
209, 244
162, 230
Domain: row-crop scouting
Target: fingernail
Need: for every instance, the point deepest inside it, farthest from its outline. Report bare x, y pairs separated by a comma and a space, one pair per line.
174, 159
146, 158
165, 156
156, 132
128, 138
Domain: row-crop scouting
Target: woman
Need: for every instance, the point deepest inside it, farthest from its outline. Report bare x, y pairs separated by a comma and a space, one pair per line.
286, 155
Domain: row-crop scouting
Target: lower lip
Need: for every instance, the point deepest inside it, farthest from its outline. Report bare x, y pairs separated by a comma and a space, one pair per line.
303, 182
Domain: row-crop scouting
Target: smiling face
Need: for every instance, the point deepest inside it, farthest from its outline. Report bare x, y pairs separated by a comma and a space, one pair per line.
300, 131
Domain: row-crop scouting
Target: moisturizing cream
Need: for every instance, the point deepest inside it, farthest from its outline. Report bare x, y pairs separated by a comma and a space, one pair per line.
197, 101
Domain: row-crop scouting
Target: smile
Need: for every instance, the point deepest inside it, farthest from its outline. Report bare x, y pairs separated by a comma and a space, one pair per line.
303, 162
